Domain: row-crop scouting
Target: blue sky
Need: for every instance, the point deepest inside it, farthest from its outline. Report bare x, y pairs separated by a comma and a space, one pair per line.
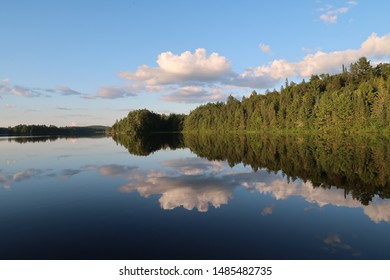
90, 62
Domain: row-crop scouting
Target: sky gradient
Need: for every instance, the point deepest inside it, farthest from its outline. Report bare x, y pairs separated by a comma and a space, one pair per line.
90, 62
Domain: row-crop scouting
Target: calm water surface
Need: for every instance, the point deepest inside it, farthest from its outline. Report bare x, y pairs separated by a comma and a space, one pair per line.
193, 198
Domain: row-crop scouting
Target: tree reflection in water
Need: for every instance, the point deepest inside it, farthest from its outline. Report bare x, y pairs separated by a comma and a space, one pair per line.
357, 165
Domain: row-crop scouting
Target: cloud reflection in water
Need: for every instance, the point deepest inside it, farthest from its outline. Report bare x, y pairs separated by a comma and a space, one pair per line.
196, 183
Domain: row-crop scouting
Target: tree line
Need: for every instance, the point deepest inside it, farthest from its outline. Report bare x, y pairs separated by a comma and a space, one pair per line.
42, 130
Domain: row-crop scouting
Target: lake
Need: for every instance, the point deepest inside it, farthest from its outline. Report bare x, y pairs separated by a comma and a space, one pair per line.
171, 196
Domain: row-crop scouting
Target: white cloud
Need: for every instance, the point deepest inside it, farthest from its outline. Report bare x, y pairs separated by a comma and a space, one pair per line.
266, 49
330, 15
183, 68
185, 78
374, 47
194, 94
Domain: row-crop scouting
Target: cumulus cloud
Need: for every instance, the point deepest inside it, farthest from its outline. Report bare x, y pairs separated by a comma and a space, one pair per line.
185, 78
266, 49
183, 68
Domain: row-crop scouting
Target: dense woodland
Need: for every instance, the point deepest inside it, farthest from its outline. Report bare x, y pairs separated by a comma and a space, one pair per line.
358, 99
144, 121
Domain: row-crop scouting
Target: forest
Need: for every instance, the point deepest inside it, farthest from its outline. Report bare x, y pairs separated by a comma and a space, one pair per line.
355, 100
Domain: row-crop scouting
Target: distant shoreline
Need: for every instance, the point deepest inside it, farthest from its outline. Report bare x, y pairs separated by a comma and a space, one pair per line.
43, 130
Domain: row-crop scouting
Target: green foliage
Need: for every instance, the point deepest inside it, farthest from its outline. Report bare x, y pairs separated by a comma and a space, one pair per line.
144, 121
354, 100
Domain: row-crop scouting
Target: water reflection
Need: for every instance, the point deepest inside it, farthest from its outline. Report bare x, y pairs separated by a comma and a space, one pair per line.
334, 243
357, 165
145, 145
189, 189
8, 179
43, 139
260, 198
348, 172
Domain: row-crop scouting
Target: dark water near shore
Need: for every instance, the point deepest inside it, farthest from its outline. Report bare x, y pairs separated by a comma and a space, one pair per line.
195, 197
